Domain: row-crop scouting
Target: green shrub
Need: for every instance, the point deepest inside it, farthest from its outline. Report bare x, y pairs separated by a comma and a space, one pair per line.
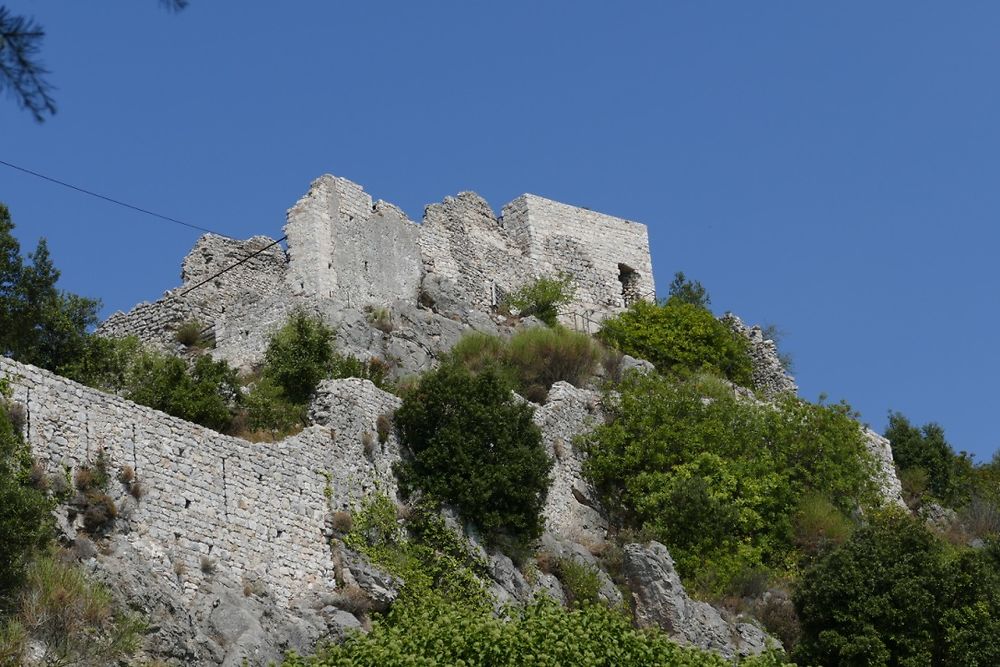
895, 594
103, 362
545, 356
927, 449
299, 356
474, 446
189, 333
542, 298
268, 409
679, 338
434, 633
204, 394
819, 524
25, 523
532, 360
719, 480
375, 370
579, 581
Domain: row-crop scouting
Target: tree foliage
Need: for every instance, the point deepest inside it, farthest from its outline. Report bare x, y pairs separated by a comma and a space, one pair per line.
204, 394
719, 480
22, 74
25, 526
927, 449
679, 338
894, 594
543, 633
688, 291
39, 323
474, 445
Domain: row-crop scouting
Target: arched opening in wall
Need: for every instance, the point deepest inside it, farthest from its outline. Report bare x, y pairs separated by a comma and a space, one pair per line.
629, 278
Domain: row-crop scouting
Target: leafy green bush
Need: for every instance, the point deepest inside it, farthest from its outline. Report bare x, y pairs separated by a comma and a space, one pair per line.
895, 594
542, 298
434, 634
103, 363
435, 563
299, 356
926, 449
203, 394
679, 338
474, 446
25, 524
579, 581
717, 479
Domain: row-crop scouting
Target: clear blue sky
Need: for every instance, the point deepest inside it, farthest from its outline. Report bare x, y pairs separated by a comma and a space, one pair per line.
831, 168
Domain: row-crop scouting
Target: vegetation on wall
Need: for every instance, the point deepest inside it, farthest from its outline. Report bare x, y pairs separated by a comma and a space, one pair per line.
541, 298
472, 444
542, 633
533, 359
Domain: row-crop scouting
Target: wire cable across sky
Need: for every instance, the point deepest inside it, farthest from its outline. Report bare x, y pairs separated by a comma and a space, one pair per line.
108, 199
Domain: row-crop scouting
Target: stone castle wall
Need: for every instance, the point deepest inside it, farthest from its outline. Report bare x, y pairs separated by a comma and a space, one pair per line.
259, 511
261, 276
346, 251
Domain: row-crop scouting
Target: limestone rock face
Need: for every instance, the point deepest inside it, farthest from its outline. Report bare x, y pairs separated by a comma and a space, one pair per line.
196, 618
660, 601
572, 510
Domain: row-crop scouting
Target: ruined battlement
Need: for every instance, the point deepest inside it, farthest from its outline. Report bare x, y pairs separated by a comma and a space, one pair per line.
346, 250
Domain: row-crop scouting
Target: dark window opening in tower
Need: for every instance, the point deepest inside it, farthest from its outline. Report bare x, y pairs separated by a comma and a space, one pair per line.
629, 278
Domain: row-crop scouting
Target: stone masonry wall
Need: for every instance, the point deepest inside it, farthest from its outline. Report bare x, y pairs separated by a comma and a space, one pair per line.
261, 276
344, 248
258, 510
462, 241
345, 251
608, 257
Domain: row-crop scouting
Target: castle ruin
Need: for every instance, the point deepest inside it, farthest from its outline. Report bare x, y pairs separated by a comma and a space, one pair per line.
346, 251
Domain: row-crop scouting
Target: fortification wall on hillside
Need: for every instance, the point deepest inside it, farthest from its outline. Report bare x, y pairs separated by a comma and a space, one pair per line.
260, 511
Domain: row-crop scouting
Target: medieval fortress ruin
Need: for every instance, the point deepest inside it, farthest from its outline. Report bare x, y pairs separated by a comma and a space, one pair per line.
261, 513
344, 251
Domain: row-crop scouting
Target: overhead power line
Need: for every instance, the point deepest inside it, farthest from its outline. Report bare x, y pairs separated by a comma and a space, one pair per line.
108, 199
231, 266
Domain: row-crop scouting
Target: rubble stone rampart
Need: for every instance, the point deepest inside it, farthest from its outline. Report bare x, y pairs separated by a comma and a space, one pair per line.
257, 511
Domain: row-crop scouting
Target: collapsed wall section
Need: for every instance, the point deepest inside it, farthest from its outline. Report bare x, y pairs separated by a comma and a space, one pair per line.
465, 248
258, 511
260, 276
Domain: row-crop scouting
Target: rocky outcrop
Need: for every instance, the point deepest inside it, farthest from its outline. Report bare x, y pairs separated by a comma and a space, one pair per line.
660, 601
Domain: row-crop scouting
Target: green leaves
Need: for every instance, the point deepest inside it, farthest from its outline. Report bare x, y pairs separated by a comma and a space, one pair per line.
896, 594
718, 479
474, 446
39, 323
679, 338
